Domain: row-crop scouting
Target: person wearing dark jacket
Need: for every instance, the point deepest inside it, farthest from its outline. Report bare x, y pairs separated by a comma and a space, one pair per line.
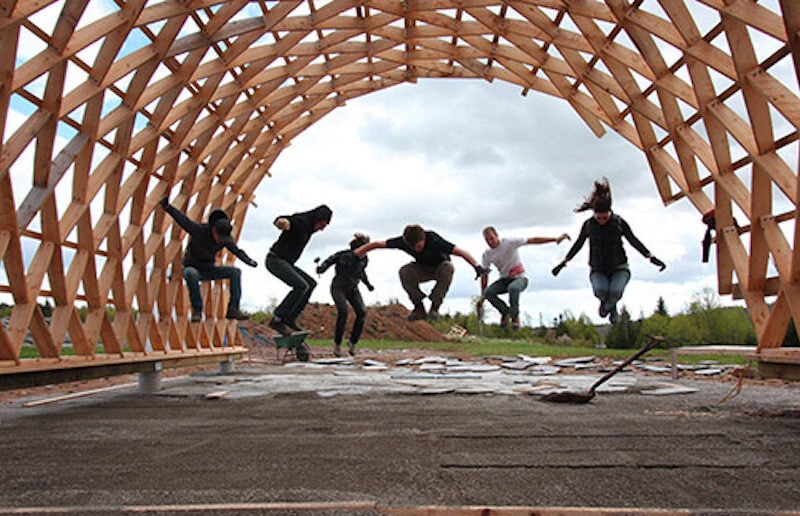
344, 289
296, 231
199, 260
431, 263
608, 264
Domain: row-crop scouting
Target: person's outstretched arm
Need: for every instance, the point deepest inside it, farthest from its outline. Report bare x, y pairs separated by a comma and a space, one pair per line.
364, 249
639, 246
547, 240
328, 262
463, 253
584, 234
239, 253
183, 221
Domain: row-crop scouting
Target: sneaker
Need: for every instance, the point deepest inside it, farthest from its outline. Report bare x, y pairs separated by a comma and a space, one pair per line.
337, 350
601, 311
278, 325
293, 325
352, 349
417, 314
504, 321
433, 315
197, 314
515, 323
235, 313
613, 316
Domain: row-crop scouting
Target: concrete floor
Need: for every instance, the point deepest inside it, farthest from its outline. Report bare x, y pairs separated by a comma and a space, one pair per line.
353, 440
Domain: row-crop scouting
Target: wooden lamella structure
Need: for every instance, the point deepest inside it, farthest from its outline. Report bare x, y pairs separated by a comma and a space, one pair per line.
108, 105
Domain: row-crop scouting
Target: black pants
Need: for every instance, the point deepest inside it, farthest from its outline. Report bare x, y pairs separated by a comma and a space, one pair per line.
302, 286
340, 298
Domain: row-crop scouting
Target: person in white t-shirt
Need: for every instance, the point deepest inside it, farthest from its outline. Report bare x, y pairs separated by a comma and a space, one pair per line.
504, 255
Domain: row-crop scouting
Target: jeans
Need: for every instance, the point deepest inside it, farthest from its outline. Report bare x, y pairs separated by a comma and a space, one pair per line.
340, 298
302, 286
514, 286
194, 276
608, 287
412, 274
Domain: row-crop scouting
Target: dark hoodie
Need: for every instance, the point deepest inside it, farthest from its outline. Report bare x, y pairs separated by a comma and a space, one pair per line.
290, 244
201, 252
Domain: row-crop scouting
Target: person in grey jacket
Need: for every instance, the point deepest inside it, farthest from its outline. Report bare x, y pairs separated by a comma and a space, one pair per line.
350, 269
199, 260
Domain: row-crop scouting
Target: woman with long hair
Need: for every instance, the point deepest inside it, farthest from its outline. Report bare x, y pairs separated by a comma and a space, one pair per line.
609, 271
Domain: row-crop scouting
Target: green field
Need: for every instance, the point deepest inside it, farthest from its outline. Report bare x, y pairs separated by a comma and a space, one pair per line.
503, 347
488, 347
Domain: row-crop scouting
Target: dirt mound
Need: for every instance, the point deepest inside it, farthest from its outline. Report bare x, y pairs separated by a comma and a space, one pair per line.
383, 323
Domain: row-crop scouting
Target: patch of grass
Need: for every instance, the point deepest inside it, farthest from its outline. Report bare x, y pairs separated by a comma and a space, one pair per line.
66, 351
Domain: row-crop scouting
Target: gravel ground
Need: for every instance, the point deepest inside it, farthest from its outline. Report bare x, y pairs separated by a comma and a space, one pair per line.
122, 451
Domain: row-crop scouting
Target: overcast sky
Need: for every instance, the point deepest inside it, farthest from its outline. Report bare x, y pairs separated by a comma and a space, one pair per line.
456, 156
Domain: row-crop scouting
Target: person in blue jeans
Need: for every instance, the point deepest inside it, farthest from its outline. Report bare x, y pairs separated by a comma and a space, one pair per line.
205, 241
503, 253
296, 231
350, 269
609, 273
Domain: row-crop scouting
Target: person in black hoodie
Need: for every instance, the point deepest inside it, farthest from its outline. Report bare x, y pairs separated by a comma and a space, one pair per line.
350, 269
296, 231
205, 241
609, 272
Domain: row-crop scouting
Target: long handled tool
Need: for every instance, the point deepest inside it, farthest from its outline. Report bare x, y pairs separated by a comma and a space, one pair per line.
585, 397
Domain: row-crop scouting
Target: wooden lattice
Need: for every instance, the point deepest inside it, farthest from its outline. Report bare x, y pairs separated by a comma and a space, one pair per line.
109, 105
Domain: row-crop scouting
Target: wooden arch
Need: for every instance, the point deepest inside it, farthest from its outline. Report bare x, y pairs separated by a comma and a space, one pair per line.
108, 105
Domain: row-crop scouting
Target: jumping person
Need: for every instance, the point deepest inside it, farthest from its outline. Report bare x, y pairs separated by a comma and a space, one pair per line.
205, 241
296, 231
431, 263
344, 289
609, 272
504, 254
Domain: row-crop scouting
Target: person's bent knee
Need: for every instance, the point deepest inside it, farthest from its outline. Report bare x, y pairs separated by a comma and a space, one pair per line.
407, 271
446, 269
305, 285
191, 274
514, 289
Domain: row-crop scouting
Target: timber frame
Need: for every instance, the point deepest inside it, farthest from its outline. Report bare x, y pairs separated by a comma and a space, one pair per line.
106, 106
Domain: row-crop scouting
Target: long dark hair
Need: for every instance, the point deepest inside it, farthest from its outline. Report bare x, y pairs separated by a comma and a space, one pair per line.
600, 198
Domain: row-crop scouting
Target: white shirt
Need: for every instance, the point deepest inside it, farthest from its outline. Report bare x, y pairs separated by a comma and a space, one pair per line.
506, 258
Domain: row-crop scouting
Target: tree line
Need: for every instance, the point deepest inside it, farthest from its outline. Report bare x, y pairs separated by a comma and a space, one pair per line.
703, 322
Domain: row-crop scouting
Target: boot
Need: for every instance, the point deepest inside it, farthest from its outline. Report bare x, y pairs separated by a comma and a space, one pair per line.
293, 325
197, 314
235, 313
504, 321
352, 349
418, 313
337, 350
277, 324
433, 314
515, 323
